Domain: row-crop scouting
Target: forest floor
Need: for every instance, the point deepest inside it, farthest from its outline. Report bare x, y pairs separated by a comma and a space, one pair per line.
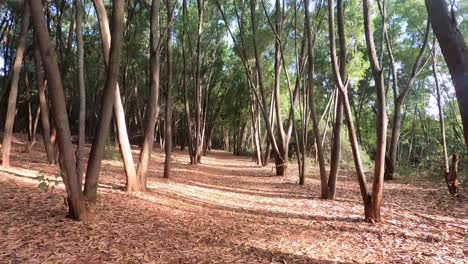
226, 210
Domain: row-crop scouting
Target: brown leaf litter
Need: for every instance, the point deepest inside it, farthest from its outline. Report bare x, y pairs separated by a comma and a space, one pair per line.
226, 210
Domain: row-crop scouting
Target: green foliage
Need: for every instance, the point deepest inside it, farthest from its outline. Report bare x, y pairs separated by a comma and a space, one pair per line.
45, 184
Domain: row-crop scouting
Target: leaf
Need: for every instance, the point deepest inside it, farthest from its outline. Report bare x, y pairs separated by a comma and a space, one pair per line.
43, 186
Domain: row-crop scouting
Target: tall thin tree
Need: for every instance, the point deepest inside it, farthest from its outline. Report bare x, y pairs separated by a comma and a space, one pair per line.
119, 112
153, 107
75, 200
11, 111
102, 131
374, 204
168, 119
82, 89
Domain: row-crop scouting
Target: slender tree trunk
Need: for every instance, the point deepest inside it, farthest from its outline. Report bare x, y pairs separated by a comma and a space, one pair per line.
119, 112
347, 110
11, 111
255, 128
259, 67
32, 142
372, 206
398, 102
441, 113
282, 161
153, 107
41, 86
185, 85
81, 83
336, 145
198, 85
310, 85
33, 121
102, 131
168, 120
76, 202
455, 52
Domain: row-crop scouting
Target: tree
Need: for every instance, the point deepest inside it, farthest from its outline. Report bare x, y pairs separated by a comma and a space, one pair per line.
132, 184
336, 144
10, 118
76, 202
102, 131
441, 116
310, 85
153, 107
81, 84
168, 119
400, 96
44, 106
373, 204
454, 50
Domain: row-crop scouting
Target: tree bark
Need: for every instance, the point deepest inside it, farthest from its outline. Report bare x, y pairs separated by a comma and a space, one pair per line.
119, 112
81, 83
153, 107
336, 145
76, 203
347, 110
259, 67
455, 53
372, 206
168, 120
398, 103
282, 161
11, 111
185, 85
310, 86
102, 131
41, 86
198, 85
441, 112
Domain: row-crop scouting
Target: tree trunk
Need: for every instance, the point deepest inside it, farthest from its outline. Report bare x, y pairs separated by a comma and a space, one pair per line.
168, 120
119, 112
336, 145
198, 85
282, 160
81, 83
372, 206
455, 53
41, 86
10, 117
452, 177
102, 131
310, 85
185, 85
76, 202
152, 111
347, 108
259, 67
398, 102
441, 112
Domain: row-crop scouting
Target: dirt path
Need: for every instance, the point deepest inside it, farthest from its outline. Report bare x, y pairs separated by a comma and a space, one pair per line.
227, 210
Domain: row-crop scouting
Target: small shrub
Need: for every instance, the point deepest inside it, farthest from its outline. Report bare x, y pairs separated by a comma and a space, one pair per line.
45, 184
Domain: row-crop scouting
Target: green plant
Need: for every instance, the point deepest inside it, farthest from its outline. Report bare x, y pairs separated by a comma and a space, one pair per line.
45, 184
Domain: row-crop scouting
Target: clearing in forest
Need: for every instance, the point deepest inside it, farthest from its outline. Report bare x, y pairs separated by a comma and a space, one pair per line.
226, 210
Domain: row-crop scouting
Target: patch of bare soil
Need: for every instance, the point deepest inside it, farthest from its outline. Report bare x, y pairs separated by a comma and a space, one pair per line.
226, 210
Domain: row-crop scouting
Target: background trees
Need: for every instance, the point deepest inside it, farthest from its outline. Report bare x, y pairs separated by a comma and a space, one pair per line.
257, 78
